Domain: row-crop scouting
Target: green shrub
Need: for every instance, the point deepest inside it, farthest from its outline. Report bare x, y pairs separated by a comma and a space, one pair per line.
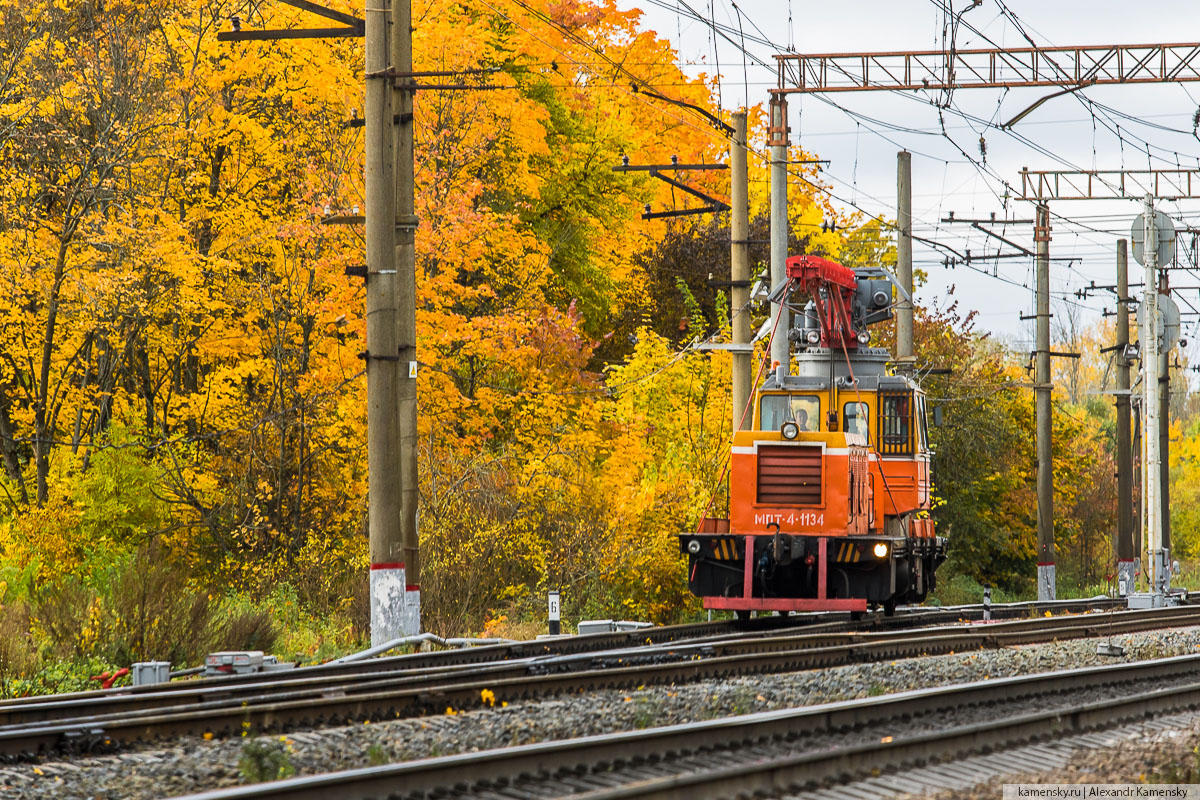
253, 629
378, 755
961, 590
265, 760
56, 676
140, 608
18, 654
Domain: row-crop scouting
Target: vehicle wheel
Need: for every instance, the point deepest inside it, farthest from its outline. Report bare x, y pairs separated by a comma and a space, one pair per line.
889, 608
783, 613
743, 615
855, 616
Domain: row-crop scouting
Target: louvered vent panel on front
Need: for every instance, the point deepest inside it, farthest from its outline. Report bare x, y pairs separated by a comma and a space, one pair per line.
789, 476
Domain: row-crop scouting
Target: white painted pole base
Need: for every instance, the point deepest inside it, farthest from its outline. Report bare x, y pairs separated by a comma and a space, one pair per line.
412, 609
388, 603
1126, 577
1045, 582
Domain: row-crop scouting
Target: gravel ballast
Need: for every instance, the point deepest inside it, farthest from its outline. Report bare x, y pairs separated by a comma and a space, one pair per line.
1149, 757
191, 765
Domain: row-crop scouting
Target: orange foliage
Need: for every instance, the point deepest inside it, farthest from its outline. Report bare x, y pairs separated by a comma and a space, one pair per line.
170, 293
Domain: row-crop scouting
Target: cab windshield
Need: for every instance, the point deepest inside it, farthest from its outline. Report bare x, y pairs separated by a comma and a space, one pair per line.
803, 409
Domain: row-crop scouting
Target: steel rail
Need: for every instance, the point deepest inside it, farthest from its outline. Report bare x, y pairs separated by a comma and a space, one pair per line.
419, 665
807, 769
607, 754
406, 696
214, 694
466, 657
824, 647
820, 621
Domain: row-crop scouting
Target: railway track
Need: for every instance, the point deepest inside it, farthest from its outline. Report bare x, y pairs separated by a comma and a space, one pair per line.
770, 753
316, 698
821, 622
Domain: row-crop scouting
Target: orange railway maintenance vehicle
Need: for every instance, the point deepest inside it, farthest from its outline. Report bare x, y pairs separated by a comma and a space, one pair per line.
829, 489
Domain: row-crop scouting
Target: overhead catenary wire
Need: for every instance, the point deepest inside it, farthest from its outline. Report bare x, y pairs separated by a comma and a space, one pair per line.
725, 31
967, 156
750, 150
682, 353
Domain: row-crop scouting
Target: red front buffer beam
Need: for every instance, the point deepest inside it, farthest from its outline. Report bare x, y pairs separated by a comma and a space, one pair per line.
748, 602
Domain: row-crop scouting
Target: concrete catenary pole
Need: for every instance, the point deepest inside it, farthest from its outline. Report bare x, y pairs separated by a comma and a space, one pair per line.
1045, 463
406, 303
1151, 470
904, 308
778, 142
1123, 546
739, 272
383, 368
1164, 455
1139, 462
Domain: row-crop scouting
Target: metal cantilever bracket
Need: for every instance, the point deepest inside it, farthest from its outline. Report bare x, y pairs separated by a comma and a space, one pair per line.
714, 206
367, 355
404, 82
353, 26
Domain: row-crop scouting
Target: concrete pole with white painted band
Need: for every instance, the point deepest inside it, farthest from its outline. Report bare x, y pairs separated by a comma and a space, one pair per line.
1046, 579
406, 310
387, 580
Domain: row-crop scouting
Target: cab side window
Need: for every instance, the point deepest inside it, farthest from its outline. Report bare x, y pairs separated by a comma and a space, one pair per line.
855, 416
923, 422
895, 423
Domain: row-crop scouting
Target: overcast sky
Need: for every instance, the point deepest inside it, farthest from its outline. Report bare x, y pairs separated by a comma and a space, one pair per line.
1066, 132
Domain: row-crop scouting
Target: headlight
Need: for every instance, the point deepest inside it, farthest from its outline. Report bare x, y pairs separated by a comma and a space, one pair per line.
881, 550
863, 337
789, 430
813, 336
694, 547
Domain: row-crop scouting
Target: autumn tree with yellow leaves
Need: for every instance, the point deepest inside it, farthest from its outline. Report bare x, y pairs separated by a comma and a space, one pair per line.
179, 317
181, 387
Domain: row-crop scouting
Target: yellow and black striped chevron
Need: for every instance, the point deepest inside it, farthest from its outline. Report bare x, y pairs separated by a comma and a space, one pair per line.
724, 548
846, 552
